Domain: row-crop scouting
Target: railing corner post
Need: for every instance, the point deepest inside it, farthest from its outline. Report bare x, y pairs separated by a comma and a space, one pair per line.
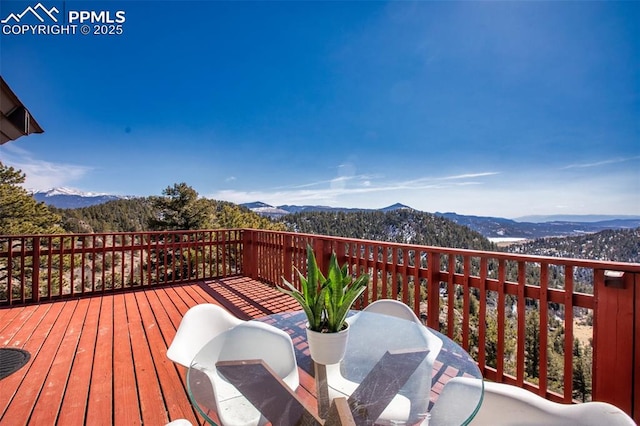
433, 290
249, 263
613, 341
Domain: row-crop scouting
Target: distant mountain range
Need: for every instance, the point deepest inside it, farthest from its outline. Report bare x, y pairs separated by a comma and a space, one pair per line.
495, 227
529, 227
491, 227
66, 198
279, 211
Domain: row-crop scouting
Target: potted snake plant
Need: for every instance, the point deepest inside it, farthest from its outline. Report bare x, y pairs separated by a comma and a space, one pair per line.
326, 301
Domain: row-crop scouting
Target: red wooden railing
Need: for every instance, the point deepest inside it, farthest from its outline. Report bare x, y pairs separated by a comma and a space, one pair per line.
46, 267
506, 289
490, 302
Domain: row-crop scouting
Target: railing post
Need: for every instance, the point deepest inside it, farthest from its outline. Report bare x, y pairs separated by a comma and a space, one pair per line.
433, 290
613, 340
322, 251
35, 286
248, 254
635, 413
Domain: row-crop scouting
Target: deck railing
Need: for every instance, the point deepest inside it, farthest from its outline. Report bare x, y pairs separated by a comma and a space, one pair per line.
47, 267
518, 315
566, 329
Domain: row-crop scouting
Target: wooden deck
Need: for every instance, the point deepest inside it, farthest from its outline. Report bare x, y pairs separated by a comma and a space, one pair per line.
102, 359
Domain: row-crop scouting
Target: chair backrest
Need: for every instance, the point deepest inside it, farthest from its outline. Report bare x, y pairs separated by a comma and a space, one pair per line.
420, 382
199, 325
504, 404
394, 308
247, 341
257, 340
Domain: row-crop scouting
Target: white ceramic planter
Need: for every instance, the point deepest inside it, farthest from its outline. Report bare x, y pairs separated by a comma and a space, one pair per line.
327, 348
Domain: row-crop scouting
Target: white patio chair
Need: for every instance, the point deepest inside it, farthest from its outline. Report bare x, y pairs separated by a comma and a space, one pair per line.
400, 407
199, 325
247, 341
394, 308
510, 405
179, 422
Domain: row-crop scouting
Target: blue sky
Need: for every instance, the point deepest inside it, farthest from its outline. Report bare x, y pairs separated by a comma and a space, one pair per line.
489, 108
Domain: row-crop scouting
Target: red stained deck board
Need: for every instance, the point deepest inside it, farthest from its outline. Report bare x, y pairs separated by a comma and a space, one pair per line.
7, 316
172, 387
48, 405
124, 377
50, 333
307, 391
179, 304
74, 403
31, 337
14, 319
103, 357
149, 395
101, 386
197, 295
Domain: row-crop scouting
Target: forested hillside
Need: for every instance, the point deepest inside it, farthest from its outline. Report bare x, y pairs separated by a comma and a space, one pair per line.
113, 216
138, 214
401, 226
622, 245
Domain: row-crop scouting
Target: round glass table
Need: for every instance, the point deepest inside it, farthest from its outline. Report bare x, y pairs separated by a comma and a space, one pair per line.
393, 373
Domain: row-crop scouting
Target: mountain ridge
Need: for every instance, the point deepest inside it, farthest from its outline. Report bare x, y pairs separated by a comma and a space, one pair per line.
69, 198
488, 226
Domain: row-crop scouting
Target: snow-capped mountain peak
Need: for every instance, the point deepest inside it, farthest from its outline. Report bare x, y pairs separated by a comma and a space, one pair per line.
69, 191
63, 197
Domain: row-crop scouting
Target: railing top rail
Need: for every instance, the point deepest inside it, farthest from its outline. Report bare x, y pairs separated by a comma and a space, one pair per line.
595, 264
83, 234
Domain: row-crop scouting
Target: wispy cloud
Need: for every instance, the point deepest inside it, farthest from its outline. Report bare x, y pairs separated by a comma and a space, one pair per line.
601, 163
230, 179
469, 175
335, 190
40, 174
363, 178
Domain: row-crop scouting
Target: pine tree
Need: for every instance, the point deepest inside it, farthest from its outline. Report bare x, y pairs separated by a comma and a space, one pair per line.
582, 359
20, 213
532, 343
180, 209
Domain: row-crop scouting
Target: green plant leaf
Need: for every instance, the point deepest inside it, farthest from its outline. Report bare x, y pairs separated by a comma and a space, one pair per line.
352, 294
326, 300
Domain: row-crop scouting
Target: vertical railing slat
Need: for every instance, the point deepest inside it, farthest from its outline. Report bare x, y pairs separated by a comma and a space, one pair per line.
568, 334
49, 265
501, 319
35, 288
482, 314
521, 310
23, 279
466, 302
544, 327
451, 321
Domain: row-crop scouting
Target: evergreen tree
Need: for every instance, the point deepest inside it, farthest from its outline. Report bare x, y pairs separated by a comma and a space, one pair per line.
180, 209
582, 359
20, 213
532, 344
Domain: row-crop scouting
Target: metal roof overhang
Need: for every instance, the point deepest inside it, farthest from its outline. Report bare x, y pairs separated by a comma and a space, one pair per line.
15, 121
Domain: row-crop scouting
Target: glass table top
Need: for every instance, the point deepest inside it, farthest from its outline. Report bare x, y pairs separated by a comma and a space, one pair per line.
371, 335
